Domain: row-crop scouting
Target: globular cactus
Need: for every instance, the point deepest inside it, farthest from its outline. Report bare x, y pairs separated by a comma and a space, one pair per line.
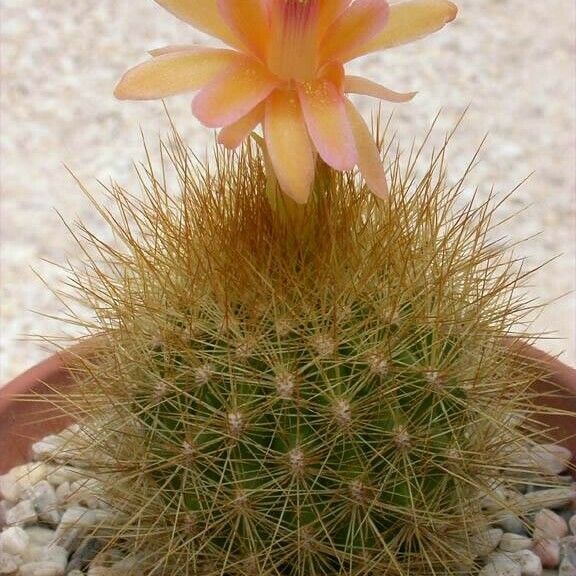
315, 390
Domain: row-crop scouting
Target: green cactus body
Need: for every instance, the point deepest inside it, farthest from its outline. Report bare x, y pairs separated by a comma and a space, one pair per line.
320, 392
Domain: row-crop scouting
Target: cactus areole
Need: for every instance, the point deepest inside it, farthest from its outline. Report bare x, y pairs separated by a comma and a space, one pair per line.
299, 378
326, 395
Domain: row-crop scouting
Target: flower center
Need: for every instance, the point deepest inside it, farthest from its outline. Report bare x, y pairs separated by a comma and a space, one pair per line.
293, 49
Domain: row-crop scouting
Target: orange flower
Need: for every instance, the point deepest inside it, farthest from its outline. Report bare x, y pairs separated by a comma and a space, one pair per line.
285, 70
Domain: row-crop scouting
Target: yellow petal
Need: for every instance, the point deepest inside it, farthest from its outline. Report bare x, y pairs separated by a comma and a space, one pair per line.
232, 135
174, 73
203, 15
359, 85
249, 20
369, 161
234, 93
289, 145
409, 21
170, 49
329, 11
363, 20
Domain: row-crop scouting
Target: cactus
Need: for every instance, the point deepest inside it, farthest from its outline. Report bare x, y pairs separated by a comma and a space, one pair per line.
301, 391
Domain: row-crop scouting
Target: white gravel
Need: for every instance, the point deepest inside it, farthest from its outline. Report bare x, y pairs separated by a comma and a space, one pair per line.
52, 536
512, 61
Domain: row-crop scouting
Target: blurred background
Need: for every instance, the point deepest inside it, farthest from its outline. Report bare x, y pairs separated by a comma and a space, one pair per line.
511, 61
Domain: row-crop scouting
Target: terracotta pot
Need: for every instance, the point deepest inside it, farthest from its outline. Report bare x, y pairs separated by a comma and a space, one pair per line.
24, 418
558, 391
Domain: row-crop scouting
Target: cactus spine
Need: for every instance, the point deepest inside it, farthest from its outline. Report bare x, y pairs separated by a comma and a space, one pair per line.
327, 392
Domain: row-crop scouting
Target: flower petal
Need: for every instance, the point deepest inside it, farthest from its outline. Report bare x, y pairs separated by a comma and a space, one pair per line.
204, 16
329, 11
327, 122
233, 93
171, 49
289, 146
410, 21
231, 136
333, 72
249, 20
354, 28
174, 73
359, 85
369, 160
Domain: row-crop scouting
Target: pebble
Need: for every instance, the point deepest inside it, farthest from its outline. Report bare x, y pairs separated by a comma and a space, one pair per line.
487, 542
512, 523
51, 447
495, 499
21, 514
63, 493
529, 562
501, 565
85, 492
549, 552
548, 498
77, 516
56, 475
54, 554
512, 542
549, 459
43, 568
85, 554
8, 563
568, 548
73, 525
68, 505
567, 568
4, 507
548, 524
14, 540
15, 483
39, 535
44, 449
126, 564
100, 571
46, 502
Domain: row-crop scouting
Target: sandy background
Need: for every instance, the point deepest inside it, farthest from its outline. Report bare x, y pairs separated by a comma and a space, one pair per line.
512, 61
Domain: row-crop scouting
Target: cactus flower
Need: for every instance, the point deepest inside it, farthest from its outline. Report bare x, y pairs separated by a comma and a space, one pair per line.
284, 69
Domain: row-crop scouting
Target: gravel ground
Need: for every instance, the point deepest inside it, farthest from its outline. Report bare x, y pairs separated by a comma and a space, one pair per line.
51, 511
511, 61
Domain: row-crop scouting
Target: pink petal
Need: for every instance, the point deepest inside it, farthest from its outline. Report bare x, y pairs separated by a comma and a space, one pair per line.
233, 94
289, 146
355, 27
328, 124
359, 85
231, 136
369, 161
174, 73
203, 15
410, 21
249, 20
